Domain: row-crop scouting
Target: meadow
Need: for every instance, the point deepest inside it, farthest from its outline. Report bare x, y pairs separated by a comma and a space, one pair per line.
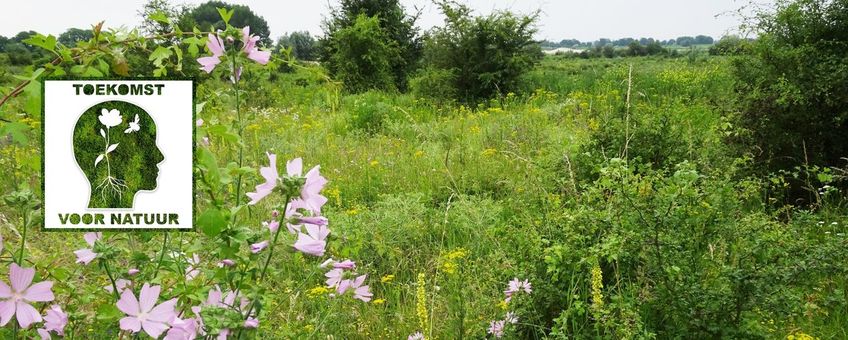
604, 198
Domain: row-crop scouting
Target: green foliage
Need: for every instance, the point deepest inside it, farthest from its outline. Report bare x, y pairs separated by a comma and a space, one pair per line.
486, 54
207, 18
398, 32
363, 56
302, 44
792, 85
73, 35
730, 45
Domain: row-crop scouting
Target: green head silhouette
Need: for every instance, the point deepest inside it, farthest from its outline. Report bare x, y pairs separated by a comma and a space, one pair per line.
115, 146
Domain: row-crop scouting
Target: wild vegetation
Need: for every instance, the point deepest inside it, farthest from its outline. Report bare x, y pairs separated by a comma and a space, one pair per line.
528, 197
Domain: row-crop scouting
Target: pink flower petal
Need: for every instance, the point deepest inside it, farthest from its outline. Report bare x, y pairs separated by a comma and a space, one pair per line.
90, 238
85, 256
147, 298
7, 310
20, 277
164, 312
39, 292
26, 314
294, 167
128, 304
130, 323
5, 291
261, 57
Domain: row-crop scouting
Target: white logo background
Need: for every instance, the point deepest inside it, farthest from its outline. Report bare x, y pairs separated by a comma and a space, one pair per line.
66, 189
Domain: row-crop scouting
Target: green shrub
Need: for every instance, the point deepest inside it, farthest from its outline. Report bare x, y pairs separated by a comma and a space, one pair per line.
486, 54
434, 84
793, 85
363, 56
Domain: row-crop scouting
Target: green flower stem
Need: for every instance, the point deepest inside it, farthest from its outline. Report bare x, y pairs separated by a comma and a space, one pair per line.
23, 238
240, 123
281, 219
161, 255
105, 266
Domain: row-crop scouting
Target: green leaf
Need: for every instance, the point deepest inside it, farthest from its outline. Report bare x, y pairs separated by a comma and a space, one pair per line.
39, 40
17, 130
161, 53
225, 14
207, 161
160, 17
211, 222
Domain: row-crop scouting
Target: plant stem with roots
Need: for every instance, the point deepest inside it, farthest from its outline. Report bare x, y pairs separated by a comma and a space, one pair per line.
111, 185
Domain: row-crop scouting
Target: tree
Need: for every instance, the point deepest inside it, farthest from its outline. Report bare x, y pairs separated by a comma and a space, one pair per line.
74, 35
703, 40
207, 18
398, 27
302, 45
685, 41
364, 56
484, 55
3, 42
793, 85
729, 45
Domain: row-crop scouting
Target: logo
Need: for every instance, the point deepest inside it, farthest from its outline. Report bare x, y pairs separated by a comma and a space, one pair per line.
118, 154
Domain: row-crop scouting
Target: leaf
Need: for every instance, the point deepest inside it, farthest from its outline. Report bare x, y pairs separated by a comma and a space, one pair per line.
99, 158
211, 222
207, 161
225, 14
112, 147
17, 130
102, 133
160, 17
45, 42
161, 53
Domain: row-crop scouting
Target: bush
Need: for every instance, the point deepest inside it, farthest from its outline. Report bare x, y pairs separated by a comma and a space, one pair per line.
363, 56
435, 84
397, 30
793, 85
729, 45
487, 54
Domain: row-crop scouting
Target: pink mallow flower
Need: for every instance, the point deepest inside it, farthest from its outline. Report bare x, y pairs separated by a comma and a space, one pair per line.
415, 336
313, 242
251, 49
496, 328
346, 264
310, 195
516, 286
55, 320
359, 291
133, 271
334, 277
226, 263
251, 323
182, 329
216, 47
191, 269
143, 313
122, 284
86, 255
18, 297
272, 225
257, 247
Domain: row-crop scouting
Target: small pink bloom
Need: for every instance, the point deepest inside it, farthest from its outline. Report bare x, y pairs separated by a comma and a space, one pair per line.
272, 226
515, 286
133, 271
182, 329
226, 263
216, 47
199, 122
251, 49
191, 269
359, 291
415, 336
271, 176
334, 278
143, 313
120, 283
257, 247
346, 264
313, 242
86, 255
20, 294
496, 328
55, 320
251, 323
511, 318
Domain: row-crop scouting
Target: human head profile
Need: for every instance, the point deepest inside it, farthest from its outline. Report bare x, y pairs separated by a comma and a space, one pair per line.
115, 147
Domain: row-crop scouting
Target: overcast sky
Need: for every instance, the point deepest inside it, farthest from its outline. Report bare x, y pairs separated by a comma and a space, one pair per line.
585, 20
